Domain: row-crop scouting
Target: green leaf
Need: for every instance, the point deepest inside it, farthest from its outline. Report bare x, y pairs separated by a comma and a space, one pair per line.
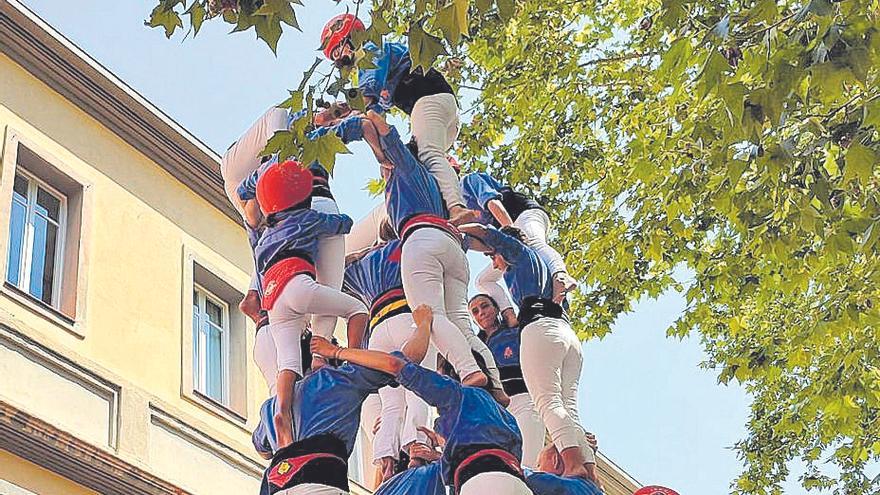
830, 164
376, 187
197, 14
763, 11
506, 9
424, 48
872, 114
860, 163
675, 60
483, 6
166, 18
294, 101
269, 30
324, 151
452, 20
283, 143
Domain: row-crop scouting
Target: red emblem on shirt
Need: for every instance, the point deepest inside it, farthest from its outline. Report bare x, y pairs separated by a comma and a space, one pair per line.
508, 353
385, 94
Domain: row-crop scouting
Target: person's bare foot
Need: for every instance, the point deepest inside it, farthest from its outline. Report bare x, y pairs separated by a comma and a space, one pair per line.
382, 127
475, 379
459, 215
563, 283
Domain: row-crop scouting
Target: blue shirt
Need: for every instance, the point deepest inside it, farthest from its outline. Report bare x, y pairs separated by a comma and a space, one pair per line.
527, 275
392, 63
327, 401
422, 480
550, 484
478, 188
469, 416
297, 230
375, 273
411, 190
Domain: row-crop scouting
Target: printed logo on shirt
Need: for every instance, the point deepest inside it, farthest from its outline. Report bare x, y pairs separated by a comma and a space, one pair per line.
283, 468
270, 287
508, 352
385, 94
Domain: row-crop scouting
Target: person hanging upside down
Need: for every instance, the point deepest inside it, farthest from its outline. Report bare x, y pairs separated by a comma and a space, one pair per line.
483, 443
433, 264
504, 342
326, 416
499, 205
425, 96
375, 279
284, 256
551, 352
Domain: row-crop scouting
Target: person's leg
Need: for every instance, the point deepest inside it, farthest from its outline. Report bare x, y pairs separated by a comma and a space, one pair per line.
456, 275
535, 224
435, 126
572, 365
286, 330
329, 266
530, 425
495, 482
387, 440
243, 157
365, 232
319, 299
422, 275
542, 351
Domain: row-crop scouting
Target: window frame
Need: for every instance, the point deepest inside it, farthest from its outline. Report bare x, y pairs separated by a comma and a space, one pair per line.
200, 361
26, 256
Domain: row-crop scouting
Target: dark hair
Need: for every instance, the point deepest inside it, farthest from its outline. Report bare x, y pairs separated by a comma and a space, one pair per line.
487, 296
445, 368
514, 232
386, 231
413, 147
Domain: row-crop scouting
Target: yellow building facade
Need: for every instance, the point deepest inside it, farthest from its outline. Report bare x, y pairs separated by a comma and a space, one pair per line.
124, 364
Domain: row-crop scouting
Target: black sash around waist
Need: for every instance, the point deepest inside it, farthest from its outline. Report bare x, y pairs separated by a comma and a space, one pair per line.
535, 308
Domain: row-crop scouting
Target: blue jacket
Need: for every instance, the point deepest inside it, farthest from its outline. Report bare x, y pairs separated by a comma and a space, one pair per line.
478, 188
327, 401
411, 190
297, 230
469, 416
374, 274
527, 275
422, 480
550, 484
392, 63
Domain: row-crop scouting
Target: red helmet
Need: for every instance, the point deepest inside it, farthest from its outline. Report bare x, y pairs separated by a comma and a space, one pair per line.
283, 185
337, 30
655, 490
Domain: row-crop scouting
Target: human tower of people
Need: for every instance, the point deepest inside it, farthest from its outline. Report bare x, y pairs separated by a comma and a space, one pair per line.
505, 399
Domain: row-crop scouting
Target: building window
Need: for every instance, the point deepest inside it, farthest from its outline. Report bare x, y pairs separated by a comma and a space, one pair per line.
210, 345
36, 239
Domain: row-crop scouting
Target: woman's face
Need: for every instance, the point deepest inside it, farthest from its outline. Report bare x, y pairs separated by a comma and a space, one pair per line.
483, 312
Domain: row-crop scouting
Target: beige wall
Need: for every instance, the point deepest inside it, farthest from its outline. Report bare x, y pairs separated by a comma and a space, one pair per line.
134, 324
24, 478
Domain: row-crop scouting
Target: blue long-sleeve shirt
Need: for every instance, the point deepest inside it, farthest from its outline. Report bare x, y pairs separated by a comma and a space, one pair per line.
550, 484
375, 273
411, 190
422, 480
505, 347
527, 275
297, 231
392, 62
469, 416
478, 188
327, 401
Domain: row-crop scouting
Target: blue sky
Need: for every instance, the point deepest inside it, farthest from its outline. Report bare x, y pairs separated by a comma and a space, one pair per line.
657, 414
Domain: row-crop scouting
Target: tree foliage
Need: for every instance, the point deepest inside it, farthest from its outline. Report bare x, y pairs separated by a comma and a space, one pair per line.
726, 149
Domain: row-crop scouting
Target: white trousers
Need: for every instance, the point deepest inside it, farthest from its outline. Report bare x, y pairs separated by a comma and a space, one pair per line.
244, 156
312, 489
329, 266
265, 357
301, 297
434, 270
551, 361
435, 126
535, 224
365, 231
530, 425
495, 483
402, 410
